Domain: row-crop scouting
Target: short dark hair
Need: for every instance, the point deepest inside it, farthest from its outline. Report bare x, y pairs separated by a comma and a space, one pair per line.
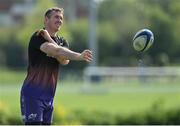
50, 10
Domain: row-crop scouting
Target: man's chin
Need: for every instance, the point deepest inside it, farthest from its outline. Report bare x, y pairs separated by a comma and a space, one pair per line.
56, 29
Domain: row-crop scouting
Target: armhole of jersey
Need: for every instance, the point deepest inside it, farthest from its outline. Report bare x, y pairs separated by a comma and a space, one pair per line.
37, 41
64, 42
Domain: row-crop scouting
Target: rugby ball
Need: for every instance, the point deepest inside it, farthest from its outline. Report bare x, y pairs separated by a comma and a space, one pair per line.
143, 40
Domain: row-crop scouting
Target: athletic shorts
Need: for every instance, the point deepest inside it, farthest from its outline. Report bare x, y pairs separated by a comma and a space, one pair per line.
36, 110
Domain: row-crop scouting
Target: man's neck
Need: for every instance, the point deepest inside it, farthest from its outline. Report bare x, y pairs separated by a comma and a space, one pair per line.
51, 33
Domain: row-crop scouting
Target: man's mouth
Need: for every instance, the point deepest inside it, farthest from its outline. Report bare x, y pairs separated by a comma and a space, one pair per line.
58, 24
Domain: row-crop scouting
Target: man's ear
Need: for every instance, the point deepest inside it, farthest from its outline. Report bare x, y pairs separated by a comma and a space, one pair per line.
46, 19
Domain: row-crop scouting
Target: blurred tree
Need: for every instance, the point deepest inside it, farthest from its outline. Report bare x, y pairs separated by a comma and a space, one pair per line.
175, 17
33, 21
14, 55
118, 21
79, 38
127, 17
162, 23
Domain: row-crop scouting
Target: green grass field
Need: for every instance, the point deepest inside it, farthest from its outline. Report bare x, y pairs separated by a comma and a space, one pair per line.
125, 97
128, 99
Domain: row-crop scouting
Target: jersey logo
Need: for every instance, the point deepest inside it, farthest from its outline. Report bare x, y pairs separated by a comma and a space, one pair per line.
61, 44
32, 116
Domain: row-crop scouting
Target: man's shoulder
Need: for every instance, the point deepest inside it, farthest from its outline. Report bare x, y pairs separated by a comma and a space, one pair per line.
36, 41
35, 37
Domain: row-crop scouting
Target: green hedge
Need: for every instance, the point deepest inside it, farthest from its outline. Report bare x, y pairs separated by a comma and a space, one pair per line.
153, 116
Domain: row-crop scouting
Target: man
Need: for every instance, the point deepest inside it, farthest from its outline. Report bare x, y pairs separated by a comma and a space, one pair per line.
46, 50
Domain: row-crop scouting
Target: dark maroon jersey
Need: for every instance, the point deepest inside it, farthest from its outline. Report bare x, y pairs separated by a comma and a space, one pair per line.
42, 72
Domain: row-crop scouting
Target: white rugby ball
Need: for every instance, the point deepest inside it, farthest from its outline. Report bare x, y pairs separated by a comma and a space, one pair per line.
143, 40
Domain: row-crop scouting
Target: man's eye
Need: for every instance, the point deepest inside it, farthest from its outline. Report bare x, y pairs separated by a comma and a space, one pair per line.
59, 17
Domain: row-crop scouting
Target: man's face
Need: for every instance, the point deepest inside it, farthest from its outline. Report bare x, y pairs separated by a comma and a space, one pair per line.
55, 21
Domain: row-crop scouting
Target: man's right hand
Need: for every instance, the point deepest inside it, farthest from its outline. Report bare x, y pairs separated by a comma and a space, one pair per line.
86, 55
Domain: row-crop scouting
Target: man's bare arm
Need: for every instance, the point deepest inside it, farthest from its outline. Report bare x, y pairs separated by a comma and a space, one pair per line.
59, 52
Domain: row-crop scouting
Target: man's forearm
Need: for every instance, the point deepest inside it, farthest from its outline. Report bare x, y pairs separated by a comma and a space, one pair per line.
65, 53
68, 54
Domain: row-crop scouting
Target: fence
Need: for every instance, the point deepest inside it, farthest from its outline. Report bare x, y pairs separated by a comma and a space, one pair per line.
96, 74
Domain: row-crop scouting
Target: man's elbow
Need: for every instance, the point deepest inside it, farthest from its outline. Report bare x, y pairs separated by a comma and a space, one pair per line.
63, 61
66, 62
